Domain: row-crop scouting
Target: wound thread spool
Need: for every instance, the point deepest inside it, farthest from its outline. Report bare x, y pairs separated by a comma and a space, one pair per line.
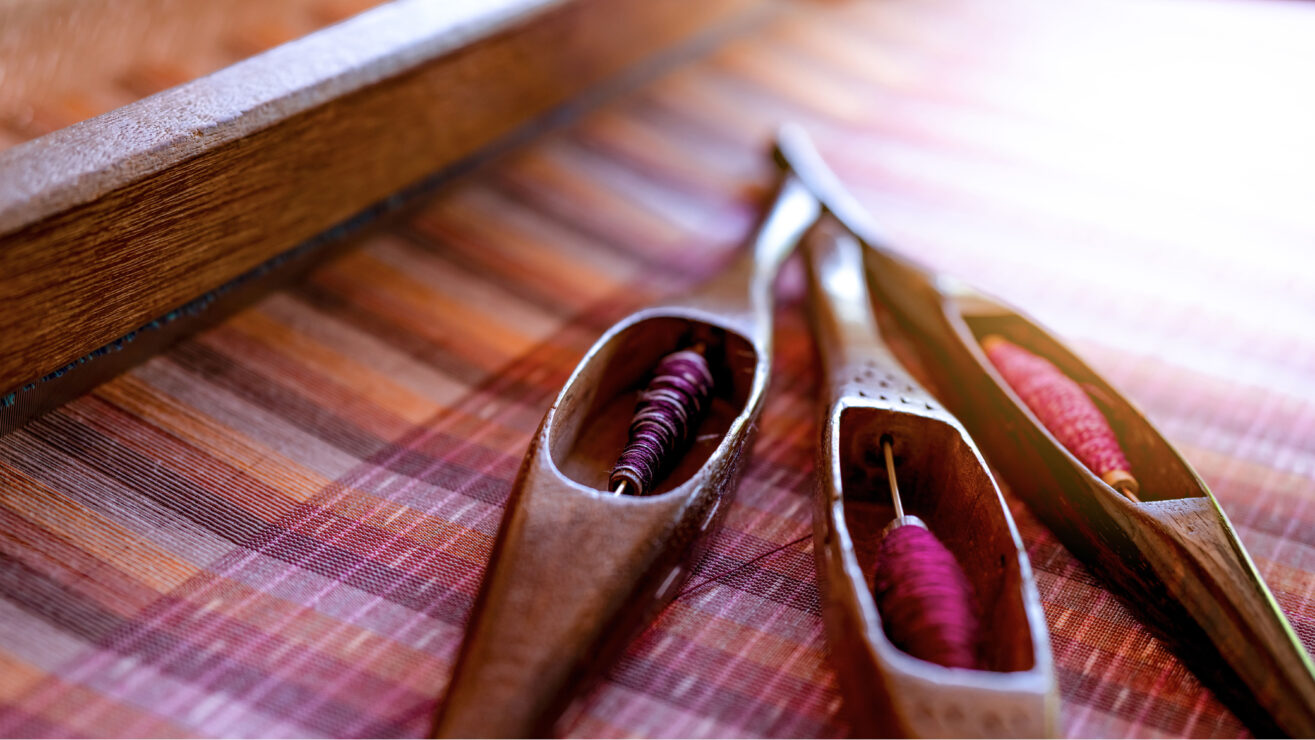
924, 598
922, 595
1065, 409
668, 412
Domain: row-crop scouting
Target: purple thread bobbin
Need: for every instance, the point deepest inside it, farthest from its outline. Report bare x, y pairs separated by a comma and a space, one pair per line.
924, 599
668, 412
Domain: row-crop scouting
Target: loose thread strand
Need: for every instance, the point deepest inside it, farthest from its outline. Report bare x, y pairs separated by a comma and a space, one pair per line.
740, 567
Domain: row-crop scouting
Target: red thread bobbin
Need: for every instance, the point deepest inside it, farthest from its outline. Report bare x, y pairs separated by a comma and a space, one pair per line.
1065, 409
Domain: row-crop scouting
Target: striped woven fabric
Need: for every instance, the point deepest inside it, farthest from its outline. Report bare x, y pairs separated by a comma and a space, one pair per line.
277, 528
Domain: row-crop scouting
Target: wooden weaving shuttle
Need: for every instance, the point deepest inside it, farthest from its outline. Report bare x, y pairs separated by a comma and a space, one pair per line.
1173, 555
578, 570
1010, 688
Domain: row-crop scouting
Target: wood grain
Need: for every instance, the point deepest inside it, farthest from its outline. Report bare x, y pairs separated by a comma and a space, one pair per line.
111, 222
69, 60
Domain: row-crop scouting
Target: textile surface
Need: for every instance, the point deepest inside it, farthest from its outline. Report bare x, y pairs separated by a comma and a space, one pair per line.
277, 528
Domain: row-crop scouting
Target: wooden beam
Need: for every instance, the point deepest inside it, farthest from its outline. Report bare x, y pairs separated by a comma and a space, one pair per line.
107, 224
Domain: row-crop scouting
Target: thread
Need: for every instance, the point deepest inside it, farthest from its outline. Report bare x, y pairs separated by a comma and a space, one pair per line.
1065, 409
669, 411
925, 599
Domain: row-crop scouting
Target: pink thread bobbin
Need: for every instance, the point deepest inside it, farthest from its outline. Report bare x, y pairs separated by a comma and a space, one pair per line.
923, 596
667, 415
920, 590
1065, 409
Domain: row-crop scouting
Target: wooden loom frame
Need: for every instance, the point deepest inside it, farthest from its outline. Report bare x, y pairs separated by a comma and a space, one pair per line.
110, 223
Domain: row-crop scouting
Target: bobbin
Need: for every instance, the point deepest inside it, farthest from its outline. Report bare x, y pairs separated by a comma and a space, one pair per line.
922, 593
1066, 411
669, 410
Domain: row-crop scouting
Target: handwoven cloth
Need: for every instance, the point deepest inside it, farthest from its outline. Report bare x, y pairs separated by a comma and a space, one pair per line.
278, 527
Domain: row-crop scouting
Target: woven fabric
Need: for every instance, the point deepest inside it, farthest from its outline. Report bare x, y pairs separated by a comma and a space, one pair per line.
278, 527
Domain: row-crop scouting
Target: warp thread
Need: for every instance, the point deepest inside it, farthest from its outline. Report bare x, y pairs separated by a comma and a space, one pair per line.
1064, 408
668, 412
925, 599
